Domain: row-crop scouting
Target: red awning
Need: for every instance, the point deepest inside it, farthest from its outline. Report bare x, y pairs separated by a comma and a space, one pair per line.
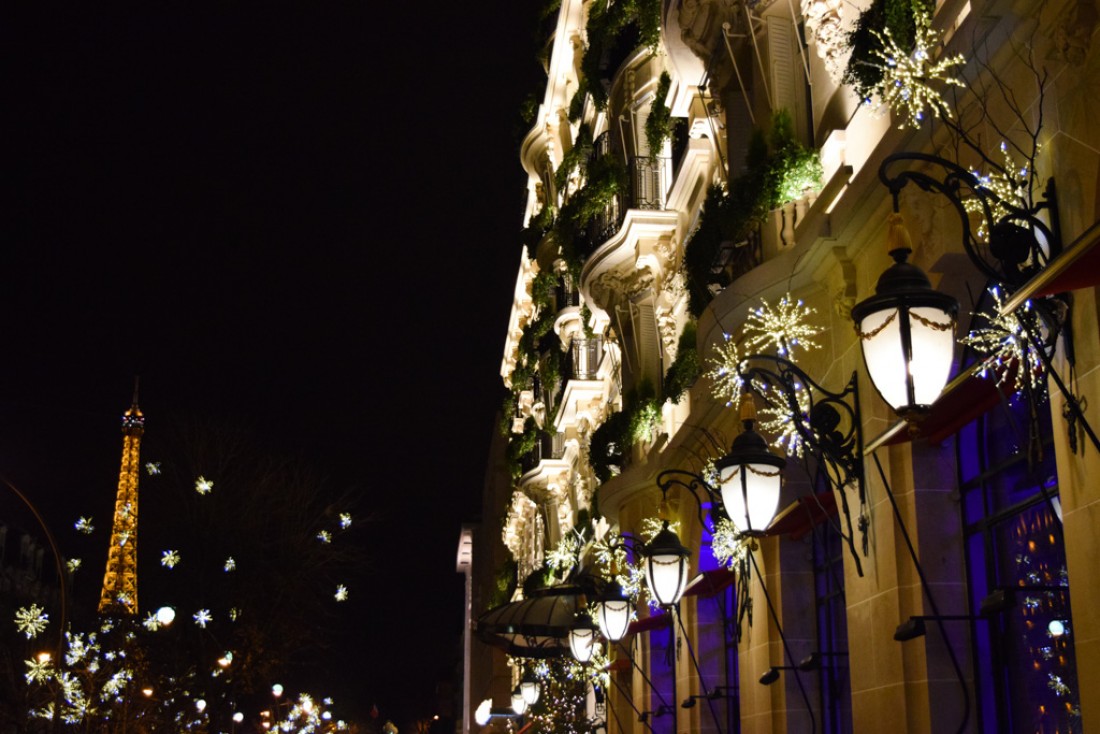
709, 583
1076, 267
801, 516
652, 622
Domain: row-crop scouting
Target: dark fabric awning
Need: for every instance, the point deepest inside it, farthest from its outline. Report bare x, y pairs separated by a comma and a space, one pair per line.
1076, 267
536, 627
801, 516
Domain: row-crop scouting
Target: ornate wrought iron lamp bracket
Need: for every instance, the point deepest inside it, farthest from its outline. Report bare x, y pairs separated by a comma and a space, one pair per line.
828, 424
1013, 249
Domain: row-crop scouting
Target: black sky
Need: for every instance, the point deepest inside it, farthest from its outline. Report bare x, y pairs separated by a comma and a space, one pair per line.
301, 215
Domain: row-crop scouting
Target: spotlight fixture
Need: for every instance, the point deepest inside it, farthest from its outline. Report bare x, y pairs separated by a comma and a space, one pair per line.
813, 660
771, 675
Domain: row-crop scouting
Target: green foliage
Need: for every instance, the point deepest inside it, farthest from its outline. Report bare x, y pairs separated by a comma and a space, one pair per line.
522, 444
504, 585
778, 170
574, 158
609, 24
792, 168
686, 368
900, 17
609, 444
658, 126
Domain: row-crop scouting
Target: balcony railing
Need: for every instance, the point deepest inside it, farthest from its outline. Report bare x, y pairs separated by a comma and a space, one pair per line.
650, 177
550, 446
586, 354
566, 294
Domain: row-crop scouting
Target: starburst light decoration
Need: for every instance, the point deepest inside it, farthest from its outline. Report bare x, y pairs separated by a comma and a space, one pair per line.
564, 556
727, 544
324, 536
39, 670
170, 558
910, 81
775, 418
73, 565
784, 327
151, 622
1006, 344
230, 565
202, 618
345, 520
84, 525
341, 593
152, 468
726, 373
203, 485
31, 621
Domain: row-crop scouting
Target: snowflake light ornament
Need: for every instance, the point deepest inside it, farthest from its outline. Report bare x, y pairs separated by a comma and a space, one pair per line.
906, 87
202, 618
726, 373
230, 565
1007, 344
84, 525
31, 621
727, 544
203, 485
783, 327
151, 622
73, 565
564, 556
341, 593
152, 468
39, 670
324, 536
345, 520
170, 558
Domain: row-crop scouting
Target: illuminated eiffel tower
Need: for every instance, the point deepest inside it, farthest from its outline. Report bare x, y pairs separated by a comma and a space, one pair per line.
119, 595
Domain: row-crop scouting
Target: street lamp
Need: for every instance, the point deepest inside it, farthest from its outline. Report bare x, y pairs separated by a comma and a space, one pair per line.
666, 566
613, 612
750, 476
582, 635
906, 331
530, 688
519, 703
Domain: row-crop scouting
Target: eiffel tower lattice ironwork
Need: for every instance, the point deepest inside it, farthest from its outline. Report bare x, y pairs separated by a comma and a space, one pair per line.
119, 594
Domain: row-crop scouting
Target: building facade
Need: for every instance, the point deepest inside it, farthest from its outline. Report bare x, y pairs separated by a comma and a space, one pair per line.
711, 194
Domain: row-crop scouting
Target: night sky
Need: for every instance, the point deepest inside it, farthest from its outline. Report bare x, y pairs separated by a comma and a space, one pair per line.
302, 216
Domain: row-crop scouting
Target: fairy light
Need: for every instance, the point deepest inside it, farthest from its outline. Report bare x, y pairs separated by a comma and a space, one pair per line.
726, 373
784, 327
1006, 343
31, 621
910, 81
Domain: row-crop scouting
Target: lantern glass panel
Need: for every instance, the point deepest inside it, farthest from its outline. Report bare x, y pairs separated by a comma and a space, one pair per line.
667, 577
761, 485
933, 348
582, 642
883, 355
614, 618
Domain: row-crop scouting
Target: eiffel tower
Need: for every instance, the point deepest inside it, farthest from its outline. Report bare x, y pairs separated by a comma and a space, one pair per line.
119, 594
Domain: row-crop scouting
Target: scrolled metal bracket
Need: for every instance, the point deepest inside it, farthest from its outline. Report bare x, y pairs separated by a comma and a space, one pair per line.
827, 423
1018, 244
